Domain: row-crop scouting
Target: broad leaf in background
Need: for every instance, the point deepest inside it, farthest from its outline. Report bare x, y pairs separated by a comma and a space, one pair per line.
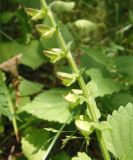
62, 6
99, 85
28, 88
3, 100
49, 105
110, 103
81, 156
32, 53
35, 143
119, 141
124, 66
96, 54
61, 156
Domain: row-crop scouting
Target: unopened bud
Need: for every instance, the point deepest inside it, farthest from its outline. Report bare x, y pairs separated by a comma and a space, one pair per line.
36, 14
74, 99
54, 54
45, 31
67, 78
84, 125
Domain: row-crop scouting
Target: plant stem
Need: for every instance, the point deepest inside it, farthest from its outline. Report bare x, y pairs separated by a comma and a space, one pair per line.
11, 108
56, 137
80, 79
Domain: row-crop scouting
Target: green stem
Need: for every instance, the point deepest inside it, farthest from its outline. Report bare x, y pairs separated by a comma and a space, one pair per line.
80, 80
56, 137
12, 110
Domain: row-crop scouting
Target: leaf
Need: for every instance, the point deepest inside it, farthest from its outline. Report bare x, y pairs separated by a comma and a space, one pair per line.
49, 105
99, 85
61, 156
124, 66
96, 54
34, 144
6, 16
32, 53
119, 141
81, 156
28, 88
61, 6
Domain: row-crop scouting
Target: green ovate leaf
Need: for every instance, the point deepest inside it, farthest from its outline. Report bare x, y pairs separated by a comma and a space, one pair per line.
35, 143
119, 141
61, 6
99, 85
49, 105
28, 88
81, 156
32, 52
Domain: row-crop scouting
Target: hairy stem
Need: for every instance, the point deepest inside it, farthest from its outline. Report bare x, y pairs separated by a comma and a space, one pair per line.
80, 79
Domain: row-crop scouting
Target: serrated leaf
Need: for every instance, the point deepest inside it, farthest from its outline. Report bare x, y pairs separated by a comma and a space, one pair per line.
119, 141
62, 6
99, 85
34, 144
28, 88
81, 156
49, 105
32, 53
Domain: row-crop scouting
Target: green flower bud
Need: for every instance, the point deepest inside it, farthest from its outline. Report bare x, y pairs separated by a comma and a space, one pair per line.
74, 99
66, 78
45, 31
84, 125
54, 54
36, 14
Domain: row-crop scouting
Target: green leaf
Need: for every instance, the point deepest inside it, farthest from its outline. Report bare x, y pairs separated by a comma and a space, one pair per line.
28, 88
119, 141
49, 105
99, 85
81, 156
32, 53
124, 66
5, 17
61, 156
61, 6
96, 54
35, 143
